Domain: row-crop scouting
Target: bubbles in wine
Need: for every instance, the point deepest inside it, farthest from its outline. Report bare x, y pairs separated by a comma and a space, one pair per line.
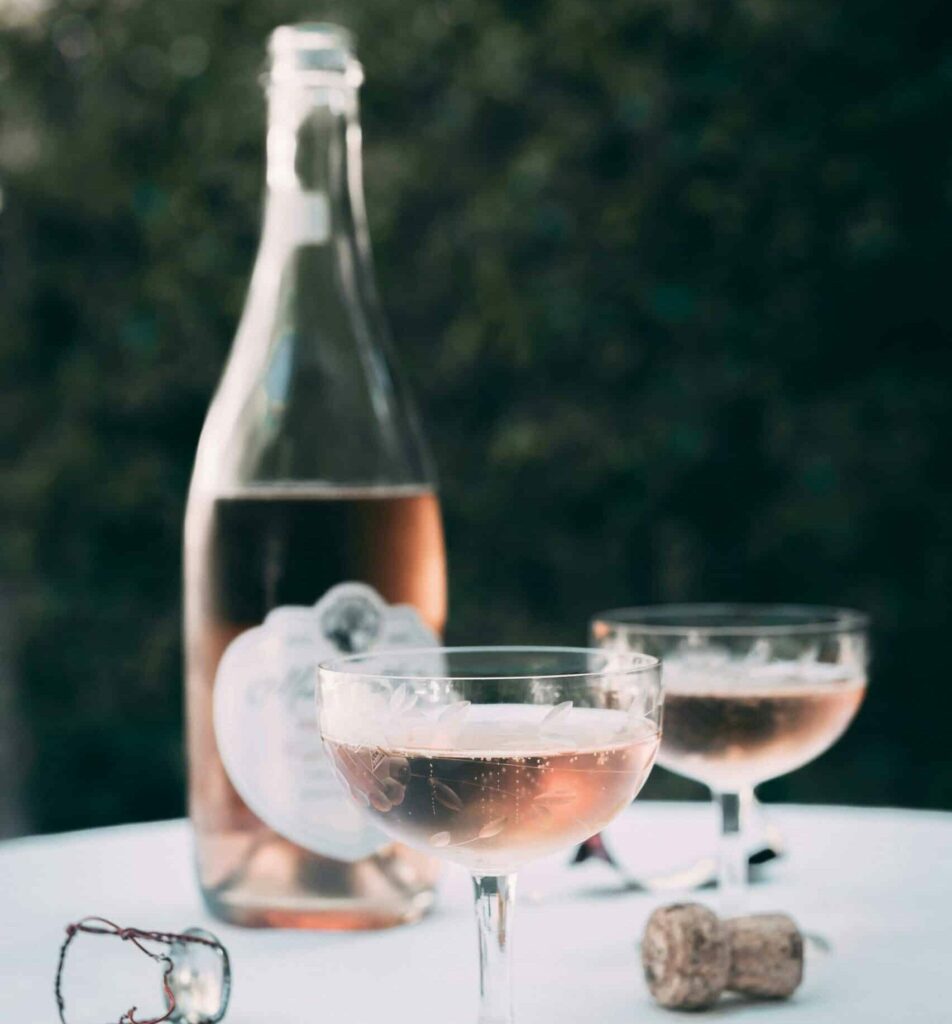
508, 783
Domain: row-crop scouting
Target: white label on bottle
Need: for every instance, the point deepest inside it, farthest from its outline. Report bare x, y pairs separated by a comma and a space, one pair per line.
266, 722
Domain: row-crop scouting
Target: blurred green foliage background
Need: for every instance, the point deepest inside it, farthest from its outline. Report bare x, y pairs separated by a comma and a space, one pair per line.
670, 279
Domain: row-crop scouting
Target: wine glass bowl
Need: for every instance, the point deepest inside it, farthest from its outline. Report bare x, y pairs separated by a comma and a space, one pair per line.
492, 757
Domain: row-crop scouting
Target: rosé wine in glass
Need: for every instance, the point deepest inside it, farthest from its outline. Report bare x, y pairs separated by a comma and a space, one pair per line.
502, 792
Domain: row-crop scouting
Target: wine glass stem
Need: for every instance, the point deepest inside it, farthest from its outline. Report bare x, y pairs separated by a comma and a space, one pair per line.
732, 856
495, 896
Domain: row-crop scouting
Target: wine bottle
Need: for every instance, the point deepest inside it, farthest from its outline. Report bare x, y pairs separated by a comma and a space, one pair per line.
313, 527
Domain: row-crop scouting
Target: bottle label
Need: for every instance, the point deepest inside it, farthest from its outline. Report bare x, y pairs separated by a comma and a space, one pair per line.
266, 714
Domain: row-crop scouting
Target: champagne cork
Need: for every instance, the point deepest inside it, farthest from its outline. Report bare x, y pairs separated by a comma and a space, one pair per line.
690, 957
766, 955
686, 956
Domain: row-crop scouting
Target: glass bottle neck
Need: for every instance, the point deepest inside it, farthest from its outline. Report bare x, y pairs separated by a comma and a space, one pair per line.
315, 188
311, 360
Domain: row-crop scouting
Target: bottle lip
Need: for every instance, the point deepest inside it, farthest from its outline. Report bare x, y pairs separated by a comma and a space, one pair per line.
313, 53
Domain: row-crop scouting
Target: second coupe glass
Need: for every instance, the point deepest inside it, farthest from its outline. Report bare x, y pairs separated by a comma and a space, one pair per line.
753, 692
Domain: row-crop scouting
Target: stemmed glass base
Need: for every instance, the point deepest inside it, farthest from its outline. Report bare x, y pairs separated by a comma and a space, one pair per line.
732, 863
495, 895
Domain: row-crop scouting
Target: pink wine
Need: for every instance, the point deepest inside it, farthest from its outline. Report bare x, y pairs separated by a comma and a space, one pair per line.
502, 792
248, 553
750, 726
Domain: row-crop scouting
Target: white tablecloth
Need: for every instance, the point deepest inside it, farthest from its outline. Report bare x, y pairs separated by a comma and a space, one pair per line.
876, 883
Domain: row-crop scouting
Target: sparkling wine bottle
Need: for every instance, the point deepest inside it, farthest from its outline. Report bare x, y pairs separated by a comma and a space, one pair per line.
313, 527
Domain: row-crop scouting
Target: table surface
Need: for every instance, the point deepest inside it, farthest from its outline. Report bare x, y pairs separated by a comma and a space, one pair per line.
876, 883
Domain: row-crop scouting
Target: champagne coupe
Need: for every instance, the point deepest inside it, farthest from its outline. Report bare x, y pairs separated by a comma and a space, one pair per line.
490, 757
752, 692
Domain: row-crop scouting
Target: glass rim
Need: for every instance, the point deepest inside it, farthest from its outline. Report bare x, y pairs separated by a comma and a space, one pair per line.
637, 663
805, 619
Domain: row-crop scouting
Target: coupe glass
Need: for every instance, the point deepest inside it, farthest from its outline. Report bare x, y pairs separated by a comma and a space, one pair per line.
491, 757
753, 692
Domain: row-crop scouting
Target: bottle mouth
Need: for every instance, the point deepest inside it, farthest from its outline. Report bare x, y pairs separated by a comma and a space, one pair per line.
313, 53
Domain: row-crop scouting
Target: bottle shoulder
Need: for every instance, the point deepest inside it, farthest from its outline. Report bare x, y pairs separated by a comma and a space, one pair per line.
310, 391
